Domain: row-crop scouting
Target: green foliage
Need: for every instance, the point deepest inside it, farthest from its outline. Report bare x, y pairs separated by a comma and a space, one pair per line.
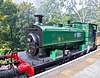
8, 11
14, 19
53, 12
25, 18
4, 42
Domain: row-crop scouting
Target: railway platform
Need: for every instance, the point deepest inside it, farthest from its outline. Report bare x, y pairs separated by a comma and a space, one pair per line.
87, 66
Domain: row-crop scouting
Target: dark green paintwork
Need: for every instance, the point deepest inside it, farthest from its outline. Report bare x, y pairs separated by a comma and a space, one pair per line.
59, 35
71, 33
89, 36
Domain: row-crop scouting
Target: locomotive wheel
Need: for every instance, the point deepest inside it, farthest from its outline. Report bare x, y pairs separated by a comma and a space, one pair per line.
32, 44
67, 53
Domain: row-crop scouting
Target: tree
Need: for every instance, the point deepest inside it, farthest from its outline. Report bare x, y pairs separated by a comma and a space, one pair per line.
8, 11
53, 12
25, 19
97, 17
85, 13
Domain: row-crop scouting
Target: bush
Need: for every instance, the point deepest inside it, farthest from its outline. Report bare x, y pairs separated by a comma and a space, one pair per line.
4, 52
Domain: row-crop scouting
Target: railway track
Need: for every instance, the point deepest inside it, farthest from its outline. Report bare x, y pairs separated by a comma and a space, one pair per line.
67, 67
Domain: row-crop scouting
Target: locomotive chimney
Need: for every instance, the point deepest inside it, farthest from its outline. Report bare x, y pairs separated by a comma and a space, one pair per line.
38, 19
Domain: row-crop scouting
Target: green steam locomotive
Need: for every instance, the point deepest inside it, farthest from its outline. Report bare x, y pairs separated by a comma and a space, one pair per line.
48, 46
59, 41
